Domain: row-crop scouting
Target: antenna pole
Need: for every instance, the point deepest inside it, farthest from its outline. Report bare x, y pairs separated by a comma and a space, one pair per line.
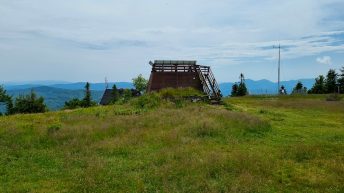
106, 83
279, 67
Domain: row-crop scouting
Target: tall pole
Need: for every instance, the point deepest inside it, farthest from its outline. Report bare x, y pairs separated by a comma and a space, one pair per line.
279, 67
106, 83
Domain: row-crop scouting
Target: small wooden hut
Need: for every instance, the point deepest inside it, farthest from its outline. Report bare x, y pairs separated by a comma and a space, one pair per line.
108, 95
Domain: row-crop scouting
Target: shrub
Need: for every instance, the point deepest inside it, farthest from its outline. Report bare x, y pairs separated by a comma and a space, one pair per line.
299, 89
127, 95
239, 89
319, 86
140, 83
148, 101
85, 102
180, 93
115, 94
154, 99
7, 99
30, 104
73, 104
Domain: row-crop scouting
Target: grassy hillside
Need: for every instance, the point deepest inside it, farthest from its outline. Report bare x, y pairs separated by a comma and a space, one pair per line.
251, 144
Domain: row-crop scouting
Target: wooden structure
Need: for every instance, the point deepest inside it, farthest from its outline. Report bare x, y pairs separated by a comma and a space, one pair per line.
181, 74
108, 95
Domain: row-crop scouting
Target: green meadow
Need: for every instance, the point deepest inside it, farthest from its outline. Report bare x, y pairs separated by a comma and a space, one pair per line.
151, 144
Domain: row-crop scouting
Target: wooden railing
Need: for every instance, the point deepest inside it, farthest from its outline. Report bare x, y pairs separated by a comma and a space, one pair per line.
173, 68
209, 83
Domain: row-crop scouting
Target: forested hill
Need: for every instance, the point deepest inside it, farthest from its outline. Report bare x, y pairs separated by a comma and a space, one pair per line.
56, 97
56, 94
254, 86
62, 85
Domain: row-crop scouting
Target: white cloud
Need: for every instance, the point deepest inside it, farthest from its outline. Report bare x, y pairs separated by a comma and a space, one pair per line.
325, 60
110, 35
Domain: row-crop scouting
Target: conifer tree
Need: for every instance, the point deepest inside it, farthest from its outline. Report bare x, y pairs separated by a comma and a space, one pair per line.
299, 88
7, 99
239, 89
319, 86
115, 93
29, 104
73, 104
87, 101
234, 90
331, 81
341, 80
242, 90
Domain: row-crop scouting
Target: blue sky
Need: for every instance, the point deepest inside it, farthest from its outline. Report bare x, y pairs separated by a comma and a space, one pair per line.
88, 40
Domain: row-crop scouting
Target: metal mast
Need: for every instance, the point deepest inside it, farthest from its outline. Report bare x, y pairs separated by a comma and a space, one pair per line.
106, 83
279, 68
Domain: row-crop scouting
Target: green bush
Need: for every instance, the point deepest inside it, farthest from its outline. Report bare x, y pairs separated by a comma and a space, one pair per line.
148, 101
178, 97
73, 104
174, 94
30, 104
84, 103
140, 83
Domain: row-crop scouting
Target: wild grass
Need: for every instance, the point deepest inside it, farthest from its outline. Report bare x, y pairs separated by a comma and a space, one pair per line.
251, 144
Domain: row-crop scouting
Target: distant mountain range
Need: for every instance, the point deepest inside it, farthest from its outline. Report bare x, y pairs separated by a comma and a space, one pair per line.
55, 97
266, 86
56, 93
69, 86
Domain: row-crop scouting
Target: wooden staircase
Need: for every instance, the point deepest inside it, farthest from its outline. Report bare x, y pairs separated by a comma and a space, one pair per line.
210, 86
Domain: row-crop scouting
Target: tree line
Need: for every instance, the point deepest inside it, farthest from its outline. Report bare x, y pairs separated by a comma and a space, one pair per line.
31, 103
333, 82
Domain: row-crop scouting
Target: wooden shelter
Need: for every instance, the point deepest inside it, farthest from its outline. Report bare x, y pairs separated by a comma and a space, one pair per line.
181, 74
108, 95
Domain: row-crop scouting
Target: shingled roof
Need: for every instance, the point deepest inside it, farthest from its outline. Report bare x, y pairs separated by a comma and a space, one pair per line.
108, 95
